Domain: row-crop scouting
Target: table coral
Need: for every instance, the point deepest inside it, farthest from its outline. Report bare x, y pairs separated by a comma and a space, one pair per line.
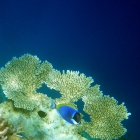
71, 85
21, 77
106, 116
31, 111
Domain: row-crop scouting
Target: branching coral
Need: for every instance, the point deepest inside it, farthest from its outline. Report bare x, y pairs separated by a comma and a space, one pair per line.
71, 85
26, 108
7, 131
106, 117
3, 128
21, 77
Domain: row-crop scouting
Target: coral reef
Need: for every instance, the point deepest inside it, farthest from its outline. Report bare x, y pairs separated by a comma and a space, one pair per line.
48, 126
21, 77
70, 84
7, 131
105, 116
87, 136
30, 111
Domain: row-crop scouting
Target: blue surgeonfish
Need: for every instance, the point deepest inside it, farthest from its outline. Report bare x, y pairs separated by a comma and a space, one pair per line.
68, 113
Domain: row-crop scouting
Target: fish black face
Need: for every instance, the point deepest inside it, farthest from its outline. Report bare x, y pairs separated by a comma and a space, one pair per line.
77, 117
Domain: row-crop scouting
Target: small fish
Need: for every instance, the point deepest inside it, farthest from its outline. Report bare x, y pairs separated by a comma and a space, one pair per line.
68, 113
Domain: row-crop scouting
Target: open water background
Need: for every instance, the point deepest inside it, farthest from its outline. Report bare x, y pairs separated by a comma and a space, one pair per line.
98, 38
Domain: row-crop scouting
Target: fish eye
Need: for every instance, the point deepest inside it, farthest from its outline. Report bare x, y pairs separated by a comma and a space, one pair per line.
77, 117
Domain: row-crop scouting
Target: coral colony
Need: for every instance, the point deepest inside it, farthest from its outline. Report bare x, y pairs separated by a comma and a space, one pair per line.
30, 111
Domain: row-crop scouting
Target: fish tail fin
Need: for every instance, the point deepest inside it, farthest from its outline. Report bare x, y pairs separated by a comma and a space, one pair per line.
52, 104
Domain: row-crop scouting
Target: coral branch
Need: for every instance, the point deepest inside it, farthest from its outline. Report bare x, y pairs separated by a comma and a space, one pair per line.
7, 131
106, 117
21, 77
71, 84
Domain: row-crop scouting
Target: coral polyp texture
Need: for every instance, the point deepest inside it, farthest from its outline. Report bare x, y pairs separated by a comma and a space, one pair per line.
70, 84
30, 111
105, 116
21, 77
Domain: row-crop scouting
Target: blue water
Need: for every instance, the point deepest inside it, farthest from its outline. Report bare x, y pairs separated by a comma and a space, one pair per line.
98, 38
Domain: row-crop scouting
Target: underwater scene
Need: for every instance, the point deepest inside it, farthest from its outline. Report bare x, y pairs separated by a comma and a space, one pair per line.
28, 114
69, 70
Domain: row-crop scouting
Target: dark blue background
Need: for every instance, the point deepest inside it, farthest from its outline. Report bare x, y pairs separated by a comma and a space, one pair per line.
100, 38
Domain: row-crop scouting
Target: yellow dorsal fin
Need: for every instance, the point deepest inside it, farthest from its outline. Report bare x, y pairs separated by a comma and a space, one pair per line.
70, 105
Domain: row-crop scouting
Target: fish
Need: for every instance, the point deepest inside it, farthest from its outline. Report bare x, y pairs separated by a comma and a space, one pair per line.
67, 112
